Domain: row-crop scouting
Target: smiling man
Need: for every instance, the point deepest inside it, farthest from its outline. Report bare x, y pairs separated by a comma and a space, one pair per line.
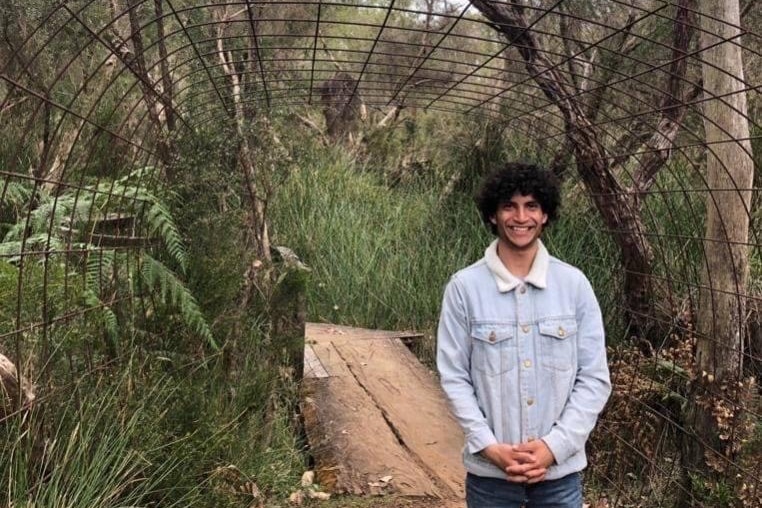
521, 353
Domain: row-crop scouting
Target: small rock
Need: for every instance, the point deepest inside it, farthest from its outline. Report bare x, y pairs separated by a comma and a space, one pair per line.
320, 496
308, 478
253, 489
386, 479
296, 498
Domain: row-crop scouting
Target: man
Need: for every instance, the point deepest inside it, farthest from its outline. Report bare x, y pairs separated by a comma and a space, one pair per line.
521, 353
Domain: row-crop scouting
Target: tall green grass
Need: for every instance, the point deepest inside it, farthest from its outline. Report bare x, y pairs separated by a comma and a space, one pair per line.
88, 456
155, 433
379, 256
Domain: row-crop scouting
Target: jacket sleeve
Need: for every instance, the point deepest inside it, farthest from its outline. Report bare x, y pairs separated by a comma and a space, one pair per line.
592, 385
454, 365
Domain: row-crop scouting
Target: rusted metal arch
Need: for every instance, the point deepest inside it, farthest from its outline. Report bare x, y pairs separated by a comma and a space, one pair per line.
203, 97
419, 66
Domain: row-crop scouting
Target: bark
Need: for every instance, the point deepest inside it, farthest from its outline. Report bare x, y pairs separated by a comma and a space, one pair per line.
16, 392
54, 174
729, 166
721, 323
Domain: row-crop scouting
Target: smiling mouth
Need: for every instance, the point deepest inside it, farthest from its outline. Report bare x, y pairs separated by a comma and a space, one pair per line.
520, 229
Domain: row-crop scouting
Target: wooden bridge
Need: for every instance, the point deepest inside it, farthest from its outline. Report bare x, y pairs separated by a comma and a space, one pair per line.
376, 419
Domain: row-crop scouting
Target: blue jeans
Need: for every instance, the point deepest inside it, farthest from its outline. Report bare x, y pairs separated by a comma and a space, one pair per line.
482, 492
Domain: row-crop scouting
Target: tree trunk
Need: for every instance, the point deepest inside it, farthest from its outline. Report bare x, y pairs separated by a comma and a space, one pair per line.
165, 149
257, 219
729, 166
722, 297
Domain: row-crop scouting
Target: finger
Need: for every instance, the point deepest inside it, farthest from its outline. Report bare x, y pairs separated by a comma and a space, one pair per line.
534, 473
517, 478
522, 457
530, 447
536, 479
520, 469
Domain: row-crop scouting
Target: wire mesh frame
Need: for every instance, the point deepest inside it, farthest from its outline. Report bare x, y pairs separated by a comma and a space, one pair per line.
521, 114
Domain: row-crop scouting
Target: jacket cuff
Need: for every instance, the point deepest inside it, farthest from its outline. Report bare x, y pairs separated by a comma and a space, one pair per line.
559, 446
479, 440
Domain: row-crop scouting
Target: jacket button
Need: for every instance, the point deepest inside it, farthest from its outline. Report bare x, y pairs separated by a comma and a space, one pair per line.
530, 402
561, 332
527, 363
492, 337
523, 289
525, 328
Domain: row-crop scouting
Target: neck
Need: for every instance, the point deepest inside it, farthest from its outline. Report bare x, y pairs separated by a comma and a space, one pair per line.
517, 261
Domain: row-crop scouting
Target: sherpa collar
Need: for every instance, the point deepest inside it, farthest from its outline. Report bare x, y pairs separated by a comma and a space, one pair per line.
506, 281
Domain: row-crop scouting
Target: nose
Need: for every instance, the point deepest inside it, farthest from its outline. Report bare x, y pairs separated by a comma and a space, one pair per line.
521, 214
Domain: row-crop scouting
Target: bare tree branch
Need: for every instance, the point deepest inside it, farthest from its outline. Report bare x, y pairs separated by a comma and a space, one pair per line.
258, 223
330, 55
747, 8
611, 61
150, 94
659, 147
167, 95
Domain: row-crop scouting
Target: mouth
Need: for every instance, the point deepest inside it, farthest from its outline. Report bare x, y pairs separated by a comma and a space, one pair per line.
520, 229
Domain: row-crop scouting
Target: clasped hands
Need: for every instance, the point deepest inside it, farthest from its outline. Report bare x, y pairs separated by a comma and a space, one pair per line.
522, 463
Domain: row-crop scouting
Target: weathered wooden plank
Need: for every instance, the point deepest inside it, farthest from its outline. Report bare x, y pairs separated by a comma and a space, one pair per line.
327, 331
353, 446
413, 404
372, 410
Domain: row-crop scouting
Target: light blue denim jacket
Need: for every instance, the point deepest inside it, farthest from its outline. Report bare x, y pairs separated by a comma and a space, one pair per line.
521, 360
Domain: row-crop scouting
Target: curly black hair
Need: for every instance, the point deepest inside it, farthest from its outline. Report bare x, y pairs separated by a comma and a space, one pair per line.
522, 178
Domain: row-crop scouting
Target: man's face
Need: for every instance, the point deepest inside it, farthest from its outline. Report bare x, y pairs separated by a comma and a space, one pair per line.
519, 221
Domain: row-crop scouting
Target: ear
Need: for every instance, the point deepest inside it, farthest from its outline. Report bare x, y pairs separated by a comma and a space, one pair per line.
493, 220
544, 218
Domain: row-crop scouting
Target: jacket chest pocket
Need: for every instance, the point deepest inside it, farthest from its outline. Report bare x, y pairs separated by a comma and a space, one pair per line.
557, 340
494, 349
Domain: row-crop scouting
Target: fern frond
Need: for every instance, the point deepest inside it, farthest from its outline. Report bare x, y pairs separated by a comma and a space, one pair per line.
17, 194
150, 209
11, 249
15, 232
110, 322
68, 209
161, 224
158, 278
99, 265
